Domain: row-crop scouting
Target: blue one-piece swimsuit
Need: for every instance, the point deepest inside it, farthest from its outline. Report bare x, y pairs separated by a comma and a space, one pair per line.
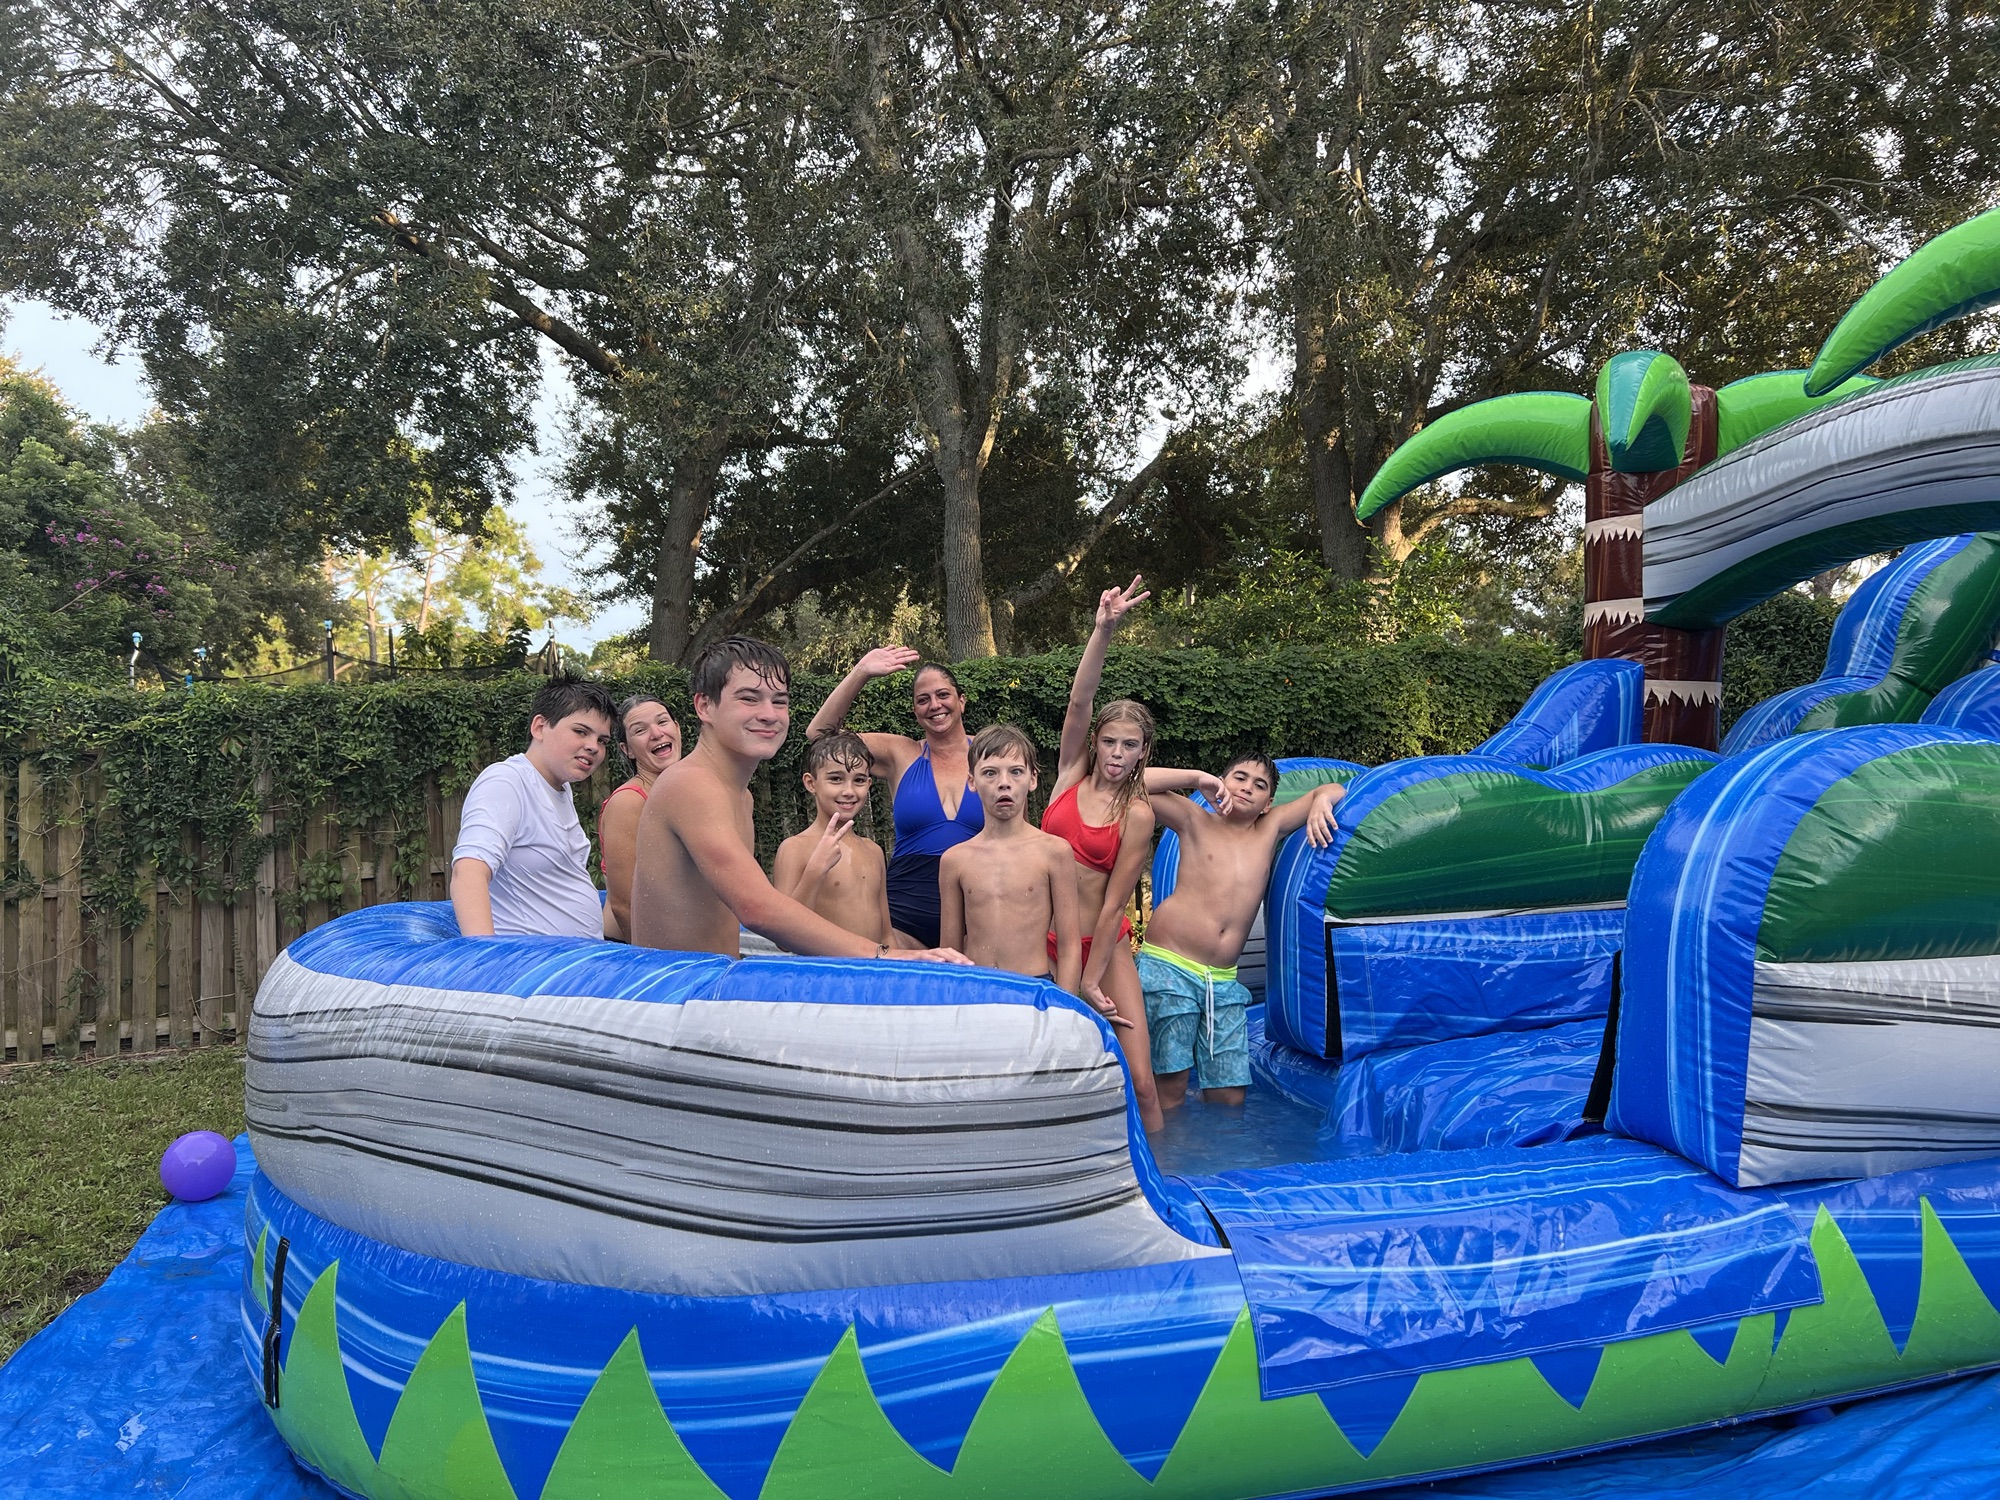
923, 833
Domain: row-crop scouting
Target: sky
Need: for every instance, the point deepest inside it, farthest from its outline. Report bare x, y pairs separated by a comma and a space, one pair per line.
111, 389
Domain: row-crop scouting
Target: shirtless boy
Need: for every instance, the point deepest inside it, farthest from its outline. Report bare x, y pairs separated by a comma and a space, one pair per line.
1194, 1001
1008, 887
831, 869
696, 881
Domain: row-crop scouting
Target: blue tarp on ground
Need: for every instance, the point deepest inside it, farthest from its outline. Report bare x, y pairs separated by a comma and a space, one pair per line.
140, 1389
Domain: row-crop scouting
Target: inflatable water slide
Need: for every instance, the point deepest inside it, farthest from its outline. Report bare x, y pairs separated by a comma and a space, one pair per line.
1657, 1069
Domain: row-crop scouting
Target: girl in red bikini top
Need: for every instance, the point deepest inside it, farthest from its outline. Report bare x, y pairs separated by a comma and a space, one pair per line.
1101, 773
651, 740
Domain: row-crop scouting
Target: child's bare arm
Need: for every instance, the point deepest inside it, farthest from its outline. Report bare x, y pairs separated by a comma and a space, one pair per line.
1168, 780
1134, 849
472, 897
1312, 812
1112, 607
1068, 926
790, 865
1172, 809
951, 902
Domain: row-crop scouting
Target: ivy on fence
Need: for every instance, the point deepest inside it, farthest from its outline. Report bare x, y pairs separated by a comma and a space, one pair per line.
215, 762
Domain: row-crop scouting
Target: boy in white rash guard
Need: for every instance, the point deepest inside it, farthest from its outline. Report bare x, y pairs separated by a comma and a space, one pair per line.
522, 864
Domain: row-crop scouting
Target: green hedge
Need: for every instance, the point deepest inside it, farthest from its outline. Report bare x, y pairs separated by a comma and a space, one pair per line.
193, 761
177, 762
1778, 645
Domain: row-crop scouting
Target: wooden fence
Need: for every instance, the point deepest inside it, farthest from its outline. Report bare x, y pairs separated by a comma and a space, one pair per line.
185, 973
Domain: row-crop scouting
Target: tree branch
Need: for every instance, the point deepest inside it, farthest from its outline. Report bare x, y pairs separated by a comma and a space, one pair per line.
1531, 510
724, 621
1064, 566
502, 294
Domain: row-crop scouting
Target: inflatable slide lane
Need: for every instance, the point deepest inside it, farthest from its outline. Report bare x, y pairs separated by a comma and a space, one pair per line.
1910, 459
1463, 895
1910, 630
1584, 708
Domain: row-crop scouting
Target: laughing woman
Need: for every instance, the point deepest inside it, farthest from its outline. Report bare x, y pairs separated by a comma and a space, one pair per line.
1100, 807
651, 740
931, 795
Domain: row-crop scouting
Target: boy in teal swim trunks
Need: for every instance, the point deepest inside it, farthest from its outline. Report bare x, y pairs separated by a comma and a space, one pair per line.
1187, 968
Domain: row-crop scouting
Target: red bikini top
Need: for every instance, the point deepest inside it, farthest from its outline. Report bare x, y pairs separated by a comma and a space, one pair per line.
1096, 845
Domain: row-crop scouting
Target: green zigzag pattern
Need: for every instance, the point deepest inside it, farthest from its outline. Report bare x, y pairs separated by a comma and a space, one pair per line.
1035, 1435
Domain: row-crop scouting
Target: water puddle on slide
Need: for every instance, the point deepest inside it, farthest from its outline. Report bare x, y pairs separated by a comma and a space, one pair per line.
1267, 1131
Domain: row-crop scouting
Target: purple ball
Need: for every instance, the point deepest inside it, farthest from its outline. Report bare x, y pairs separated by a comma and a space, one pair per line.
198, 1166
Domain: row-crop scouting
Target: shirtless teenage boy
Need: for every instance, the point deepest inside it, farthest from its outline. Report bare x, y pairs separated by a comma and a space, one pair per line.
695, 879
1194, 1002
1005, 889
829, 867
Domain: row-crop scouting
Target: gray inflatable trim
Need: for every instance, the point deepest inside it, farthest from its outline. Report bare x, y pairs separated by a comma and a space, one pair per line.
712, 1148
1908, 447
1857, 1069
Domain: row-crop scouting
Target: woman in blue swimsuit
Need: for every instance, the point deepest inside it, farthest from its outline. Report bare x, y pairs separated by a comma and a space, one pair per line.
932, 799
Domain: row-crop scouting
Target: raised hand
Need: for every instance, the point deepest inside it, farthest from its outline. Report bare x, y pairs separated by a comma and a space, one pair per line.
886, 661
828, 851
1113, 605
1215, 790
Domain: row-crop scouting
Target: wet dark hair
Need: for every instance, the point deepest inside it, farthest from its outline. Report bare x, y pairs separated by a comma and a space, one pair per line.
560, 697
842, 749
1258, 759
936, 666
998, 739
637, 700
711, 669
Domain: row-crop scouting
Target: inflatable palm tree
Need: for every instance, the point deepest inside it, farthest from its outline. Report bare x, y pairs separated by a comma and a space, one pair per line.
1648, 429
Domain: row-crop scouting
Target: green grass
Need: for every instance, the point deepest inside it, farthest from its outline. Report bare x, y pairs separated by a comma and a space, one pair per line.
79, 1172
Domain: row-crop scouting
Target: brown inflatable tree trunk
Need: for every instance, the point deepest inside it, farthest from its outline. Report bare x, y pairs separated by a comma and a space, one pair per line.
1683, 667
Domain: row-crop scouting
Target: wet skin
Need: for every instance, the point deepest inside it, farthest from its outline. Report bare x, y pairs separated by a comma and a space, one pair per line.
653, 741
828, 866
1007, 888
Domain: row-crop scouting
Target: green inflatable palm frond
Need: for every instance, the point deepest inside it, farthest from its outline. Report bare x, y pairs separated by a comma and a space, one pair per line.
1645, 405
1546, 430
1956, 274
1750, 407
